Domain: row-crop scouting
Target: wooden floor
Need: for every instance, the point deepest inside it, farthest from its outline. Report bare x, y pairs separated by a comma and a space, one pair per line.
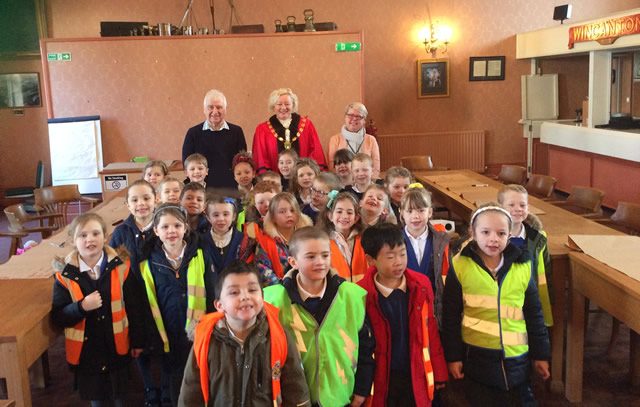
606, 381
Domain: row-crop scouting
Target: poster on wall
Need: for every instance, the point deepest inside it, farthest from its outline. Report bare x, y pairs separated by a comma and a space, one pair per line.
433, 78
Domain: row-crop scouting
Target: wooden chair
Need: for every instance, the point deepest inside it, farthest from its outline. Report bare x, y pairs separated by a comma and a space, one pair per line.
626, 218
18, 216
420, 163
16, 241
512, 174
53, 200
541, 186
584, 201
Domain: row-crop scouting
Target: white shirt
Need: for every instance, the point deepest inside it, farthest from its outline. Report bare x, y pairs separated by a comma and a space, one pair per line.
304, 294
175, 262
84, 267
221, 241
207, 126
386, 291
418, 243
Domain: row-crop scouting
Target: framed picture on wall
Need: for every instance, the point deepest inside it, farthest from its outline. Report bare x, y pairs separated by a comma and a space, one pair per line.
19, 90
433, 78
486, 68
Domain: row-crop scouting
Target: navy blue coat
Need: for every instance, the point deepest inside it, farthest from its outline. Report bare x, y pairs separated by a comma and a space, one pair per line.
489, 366
132, 238
171, 293
220, 261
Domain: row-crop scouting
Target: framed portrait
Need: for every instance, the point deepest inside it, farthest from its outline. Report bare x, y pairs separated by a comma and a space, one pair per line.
22, 24
20, 90
433, 78
486, 68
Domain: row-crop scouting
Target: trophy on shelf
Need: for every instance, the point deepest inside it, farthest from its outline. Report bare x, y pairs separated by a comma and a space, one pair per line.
308, 20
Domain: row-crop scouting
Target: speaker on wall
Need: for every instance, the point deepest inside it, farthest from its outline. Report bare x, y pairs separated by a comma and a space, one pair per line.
562, 13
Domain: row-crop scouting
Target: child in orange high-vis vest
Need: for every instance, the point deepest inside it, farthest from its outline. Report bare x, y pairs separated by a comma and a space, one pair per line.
93, 300
341, 220
241, 354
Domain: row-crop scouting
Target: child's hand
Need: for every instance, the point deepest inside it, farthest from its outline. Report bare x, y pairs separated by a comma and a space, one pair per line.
91, 301
135, 352
455, 368
357, 401
542, 367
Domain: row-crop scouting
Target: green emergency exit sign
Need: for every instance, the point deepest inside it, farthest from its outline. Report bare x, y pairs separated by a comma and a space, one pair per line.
348, 46
61, 56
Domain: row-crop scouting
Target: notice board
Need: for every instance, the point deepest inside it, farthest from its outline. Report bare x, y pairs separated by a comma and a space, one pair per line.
149, 90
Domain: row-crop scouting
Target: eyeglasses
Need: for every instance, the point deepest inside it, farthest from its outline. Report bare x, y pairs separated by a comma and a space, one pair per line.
354, 116
319, 192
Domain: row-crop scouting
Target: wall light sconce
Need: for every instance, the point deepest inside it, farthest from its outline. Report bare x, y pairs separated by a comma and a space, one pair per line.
436, 36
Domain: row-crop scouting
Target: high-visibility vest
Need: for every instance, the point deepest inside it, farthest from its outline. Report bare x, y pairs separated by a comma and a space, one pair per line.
270, 246
196, 295
203, 335
74, 336
426, 355
493, 316
329, 352
543, 288
358, 268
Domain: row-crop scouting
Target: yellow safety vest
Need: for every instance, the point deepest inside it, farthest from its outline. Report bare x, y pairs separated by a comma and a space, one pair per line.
196, 294
493, 316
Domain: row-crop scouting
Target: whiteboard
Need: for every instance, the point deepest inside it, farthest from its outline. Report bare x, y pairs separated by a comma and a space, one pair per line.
75, 146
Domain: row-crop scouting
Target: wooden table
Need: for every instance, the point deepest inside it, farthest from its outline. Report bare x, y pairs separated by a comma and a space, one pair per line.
26, 289
25, 332
613, 291
36, 262
558, 224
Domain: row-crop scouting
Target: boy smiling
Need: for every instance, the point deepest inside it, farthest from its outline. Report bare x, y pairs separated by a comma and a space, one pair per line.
241, 349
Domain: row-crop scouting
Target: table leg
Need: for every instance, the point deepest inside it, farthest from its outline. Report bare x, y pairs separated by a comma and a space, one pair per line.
575, 346
16, 373
634, 371
560, 267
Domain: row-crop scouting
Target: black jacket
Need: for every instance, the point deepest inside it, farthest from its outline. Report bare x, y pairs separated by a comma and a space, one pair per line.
488, 366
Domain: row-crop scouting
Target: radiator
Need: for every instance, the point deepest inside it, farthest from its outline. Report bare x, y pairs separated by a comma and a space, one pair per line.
457, 149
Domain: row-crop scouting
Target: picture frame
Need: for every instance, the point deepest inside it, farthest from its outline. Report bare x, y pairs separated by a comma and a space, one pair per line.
18, 90
433, 78
486, 68
23, 23
636, 65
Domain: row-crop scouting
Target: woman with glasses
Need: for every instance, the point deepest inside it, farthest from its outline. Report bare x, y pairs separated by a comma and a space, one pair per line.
354, 137
285, 130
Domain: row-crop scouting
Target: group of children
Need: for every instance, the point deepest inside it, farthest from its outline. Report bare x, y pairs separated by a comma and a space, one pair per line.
336, 292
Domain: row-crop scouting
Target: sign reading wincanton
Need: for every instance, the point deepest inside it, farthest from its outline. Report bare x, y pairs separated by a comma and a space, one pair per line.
605, 32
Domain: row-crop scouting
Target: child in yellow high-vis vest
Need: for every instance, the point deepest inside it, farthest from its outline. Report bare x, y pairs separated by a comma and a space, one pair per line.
178, 280
94, 300
492, 323
241, 354
326, 315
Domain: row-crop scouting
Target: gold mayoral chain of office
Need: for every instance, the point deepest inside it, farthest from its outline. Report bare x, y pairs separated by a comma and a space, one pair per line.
286, 140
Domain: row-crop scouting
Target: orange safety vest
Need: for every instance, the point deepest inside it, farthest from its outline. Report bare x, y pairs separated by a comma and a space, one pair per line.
426, 356
270, 246
74, 336
358, 268
203, 333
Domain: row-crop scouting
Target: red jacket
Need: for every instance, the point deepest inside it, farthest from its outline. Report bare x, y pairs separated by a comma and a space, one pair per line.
419, 289
266, 145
